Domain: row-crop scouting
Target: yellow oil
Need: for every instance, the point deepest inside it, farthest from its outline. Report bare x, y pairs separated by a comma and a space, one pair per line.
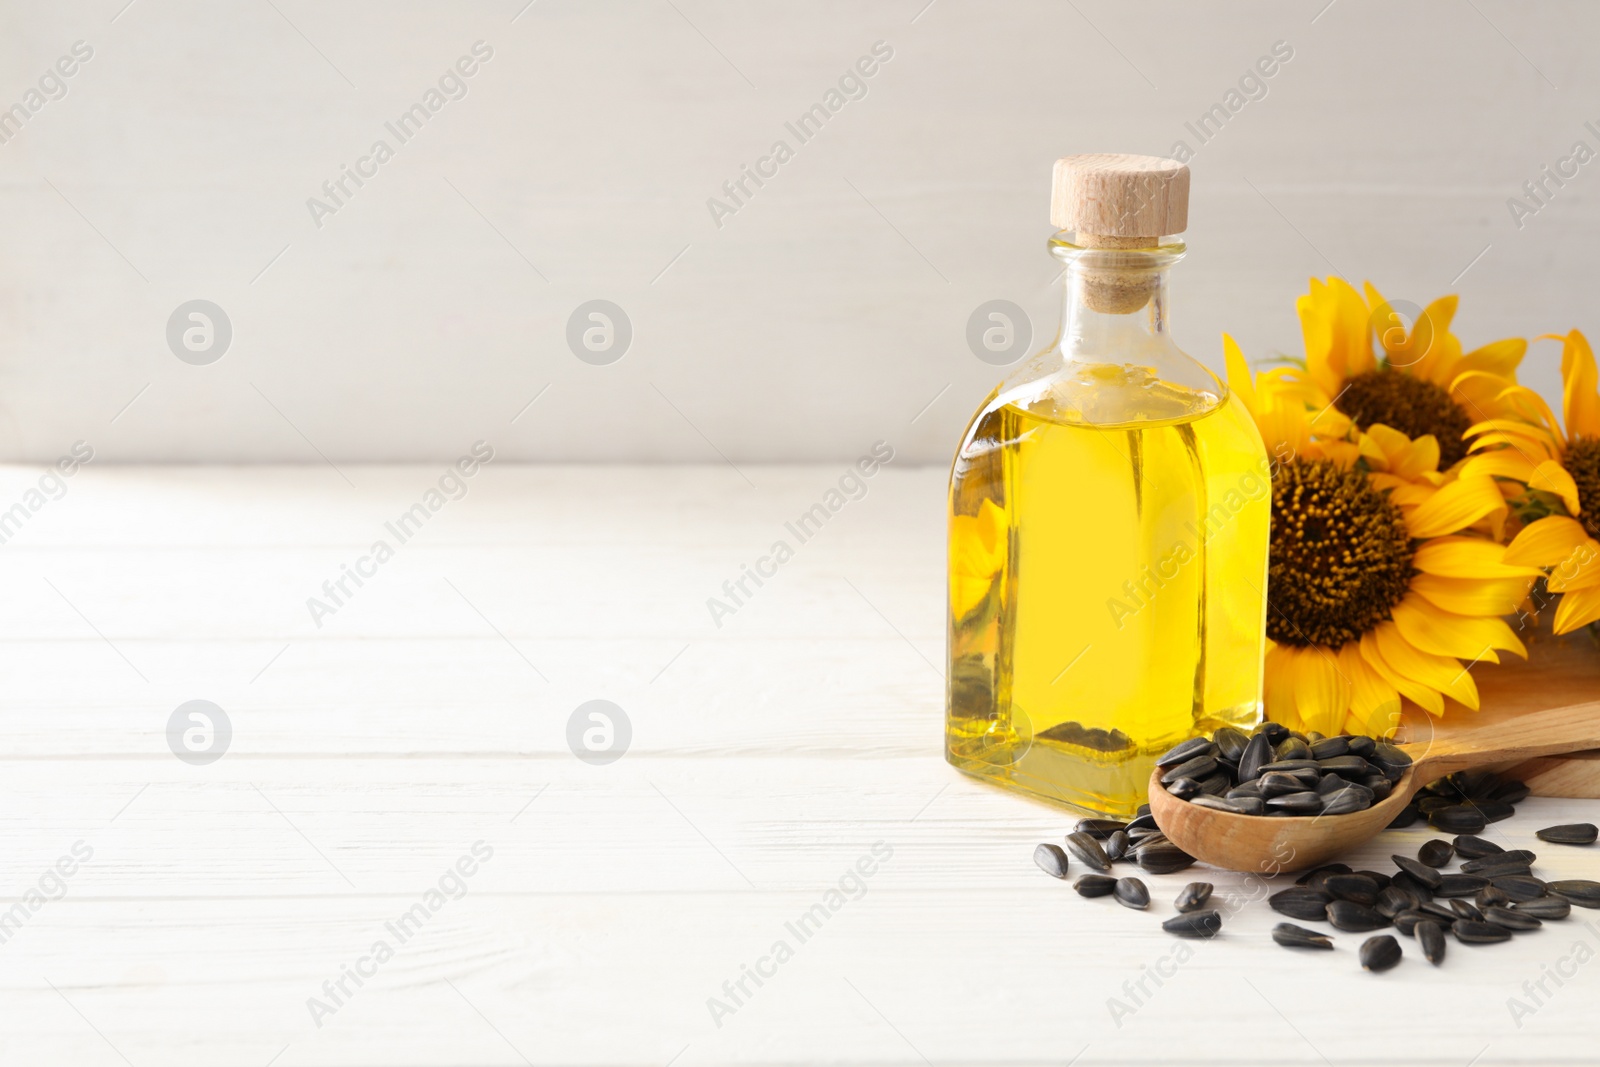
1108, 555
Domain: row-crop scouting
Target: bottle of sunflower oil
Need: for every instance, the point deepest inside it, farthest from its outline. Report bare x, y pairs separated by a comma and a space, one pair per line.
1109, 509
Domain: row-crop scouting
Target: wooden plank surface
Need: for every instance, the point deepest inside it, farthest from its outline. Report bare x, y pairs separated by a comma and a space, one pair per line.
768, 757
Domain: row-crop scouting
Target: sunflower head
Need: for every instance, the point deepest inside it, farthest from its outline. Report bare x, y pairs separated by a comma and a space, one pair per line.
1340, 555
1386, 578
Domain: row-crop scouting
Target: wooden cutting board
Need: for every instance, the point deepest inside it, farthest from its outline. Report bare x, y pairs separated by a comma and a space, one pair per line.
1559, 671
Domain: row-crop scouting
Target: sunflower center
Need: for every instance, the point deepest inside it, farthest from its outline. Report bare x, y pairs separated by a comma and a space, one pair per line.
1414, 406
1340, 558
1582, 460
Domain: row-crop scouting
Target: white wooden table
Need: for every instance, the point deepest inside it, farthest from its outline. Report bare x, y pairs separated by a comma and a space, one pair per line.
768, 757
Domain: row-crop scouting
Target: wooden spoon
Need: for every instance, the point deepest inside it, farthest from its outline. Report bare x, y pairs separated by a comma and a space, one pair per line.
1271, 845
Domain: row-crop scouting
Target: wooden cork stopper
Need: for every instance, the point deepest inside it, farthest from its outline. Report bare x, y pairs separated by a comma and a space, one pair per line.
1115, 201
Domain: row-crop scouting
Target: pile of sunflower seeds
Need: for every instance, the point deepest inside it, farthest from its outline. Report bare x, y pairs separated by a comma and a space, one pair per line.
1493, 895
1277, 771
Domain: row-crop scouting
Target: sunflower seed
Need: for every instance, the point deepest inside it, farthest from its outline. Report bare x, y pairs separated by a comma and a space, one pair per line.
1430, 935
1438, 909
1354, 887
1184, 788
1521, 887
1116, 846
1325, 870
1274, 731
1144, 820
1459, 885
1051, 860
1330, 747
1465, 909
1381, 787
1292, 749
1436, 853
1478, 933
1301, 903
1088, 851
1430, 803
1257, 752
1345, 766
1405, 817
1423, 873
1216, 784
1277, 784
1291, 936
1572, 833
1094, 885
1393, 900
1293, 766
1410, 885
1251, 805
1494, 810
1545, 907
1362, 746
1512, 919
1348, 915
1330, 783
1194, 924
1519, 857
1408, 921
1349, 799
1206, 800
1196, 767
1193, 896
1469, 847
1185, 750
1230, 743
1458, 819
1490, 895
1305, 803
1132, 893
1380, 953
1391, 760
1099, 828
1511, 792
1163, 858
1579, 891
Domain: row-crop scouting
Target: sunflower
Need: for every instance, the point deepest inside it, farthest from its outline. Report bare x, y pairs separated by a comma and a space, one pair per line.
1561, 470
1421, 384
1384, 573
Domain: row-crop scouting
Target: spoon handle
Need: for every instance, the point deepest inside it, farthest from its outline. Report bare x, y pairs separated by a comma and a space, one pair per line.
1550, 732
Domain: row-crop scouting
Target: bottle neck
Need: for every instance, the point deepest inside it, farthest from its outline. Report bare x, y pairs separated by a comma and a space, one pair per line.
1113, 311
1118, 361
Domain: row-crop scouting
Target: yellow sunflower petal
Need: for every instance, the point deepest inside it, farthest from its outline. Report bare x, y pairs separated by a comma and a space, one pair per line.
1322, 692
1427, 699
1577, 610
1467, 557
1546, 542
1580, 570
1239, 378
1374, 703
1278, 687
1455, 507
1580, 392
1442, 673
1496, 357
1510, 463
1445, 633
1476, 596
1552, 477
1483, 395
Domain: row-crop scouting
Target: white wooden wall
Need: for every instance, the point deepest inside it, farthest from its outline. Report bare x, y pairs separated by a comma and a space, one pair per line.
827, 312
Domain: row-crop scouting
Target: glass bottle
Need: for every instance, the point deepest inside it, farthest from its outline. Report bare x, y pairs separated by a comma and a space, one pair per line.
1109, 510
